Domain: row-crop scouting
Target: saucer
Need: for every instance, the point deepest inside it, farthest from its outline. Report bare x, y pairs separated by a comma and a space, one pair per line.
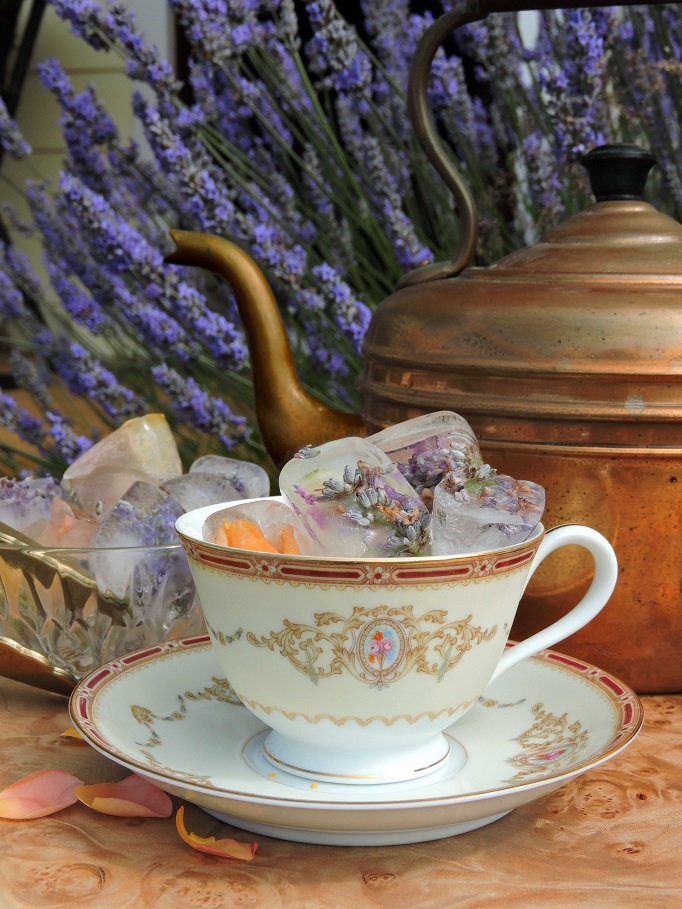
167, 713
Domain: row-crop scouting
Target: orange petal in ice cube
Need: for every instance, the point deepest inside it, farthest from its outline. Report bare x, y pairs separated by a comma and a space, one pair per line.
287, 541
221, 535
245, 534
38, 795
132, 797
226, 848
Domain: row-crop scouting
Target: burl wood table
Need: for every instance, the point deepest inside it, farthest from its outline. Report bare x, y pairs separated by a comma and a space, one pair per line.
610, 838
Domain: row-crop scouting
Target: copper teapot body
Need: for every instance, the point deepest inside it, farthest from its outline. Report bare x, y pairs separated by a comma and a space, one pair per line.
566, 358
577, 385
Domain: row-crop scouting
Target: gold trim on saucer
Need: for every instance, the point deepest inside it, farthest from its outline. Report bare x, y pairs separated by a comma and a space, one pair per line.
317, 774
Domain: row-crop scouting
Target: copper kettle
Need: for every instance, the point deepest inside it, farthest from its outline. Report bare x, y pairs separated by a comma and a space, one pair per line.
565, 357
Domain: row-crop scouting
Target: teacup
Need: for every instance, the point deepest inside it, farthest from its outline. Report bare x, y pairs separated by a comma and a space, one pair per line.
359, 665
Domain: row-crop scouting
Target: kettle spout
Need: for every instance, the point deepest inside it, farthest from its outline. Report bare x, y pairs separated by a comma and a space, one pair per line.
288, 417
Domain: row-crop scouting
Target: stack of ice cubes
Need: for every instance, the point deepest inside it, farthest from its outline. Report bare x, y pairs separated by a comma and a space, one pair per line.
126, 491
415, 489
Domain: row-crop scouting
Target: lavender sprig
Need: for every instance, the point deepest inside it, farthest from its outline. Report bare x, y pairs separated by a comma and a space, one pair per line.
11, 139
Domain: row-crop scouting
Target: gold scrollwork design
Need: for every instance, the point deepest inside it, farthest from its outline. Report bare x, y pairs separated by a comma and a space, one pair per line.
376, 646
220, 690
551, 743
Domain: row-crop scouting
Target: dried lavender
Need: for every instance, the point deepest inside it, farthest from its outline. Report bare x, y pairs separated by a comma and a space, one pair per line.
364, 496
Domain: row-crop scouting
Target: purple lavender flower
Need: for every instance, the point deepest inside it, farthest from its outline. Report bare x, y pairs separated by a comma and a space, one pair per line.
20, 268
575, 89
115, 26
11, 298
350, 315
119, 244
81, 306
194, 406
335, 55
11, 138
84, 17
68, 444
19, 421
84, 375
31, 375
85, 124
647, 86
544, 185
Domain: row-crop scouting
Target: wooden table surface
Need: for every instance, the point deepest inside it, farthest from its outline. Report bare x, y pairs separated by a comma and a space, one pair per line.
610, 838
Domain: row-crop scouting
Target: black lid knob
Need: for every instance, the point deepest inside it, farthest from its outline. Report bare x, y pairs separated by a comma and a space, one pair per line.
618, 171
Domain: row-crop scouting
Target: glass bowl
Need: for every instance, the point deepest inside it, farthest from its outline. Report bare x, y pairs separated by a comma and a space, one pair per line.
75, 609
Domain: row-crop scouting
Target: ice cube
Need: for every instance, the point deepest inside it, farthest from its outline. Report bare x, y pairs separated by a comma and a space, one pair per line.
194, 490
272, 518
141, 449
144, 517
426, 448
68, 527
483, 511
26, 505
353, 501
250, 480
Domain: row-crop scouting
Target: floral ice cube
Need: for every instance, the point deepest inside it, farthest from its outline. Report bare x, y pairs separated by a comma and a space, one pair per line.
26, 505
353, 501
483, 510
141, 449
68, 527
275, 520
428, 447
194, 490
250, 480
144, 518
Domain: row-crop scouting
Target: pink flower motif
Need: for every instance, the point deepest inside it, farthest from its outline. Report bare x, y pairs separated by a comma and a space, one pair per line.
267, 569
481, 567
376, 574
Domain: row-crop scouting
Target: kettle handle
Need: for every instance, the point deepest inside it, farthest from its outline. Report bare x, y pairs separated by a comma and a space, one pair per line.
425, 130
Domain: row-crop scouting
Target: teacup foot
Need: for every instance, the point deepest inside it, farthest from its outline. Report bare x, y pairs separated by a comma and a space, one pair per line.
362, 768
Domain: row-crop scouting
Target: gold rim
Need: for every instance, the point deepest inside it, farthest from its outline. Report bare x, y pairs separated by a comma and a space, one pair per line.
317, 774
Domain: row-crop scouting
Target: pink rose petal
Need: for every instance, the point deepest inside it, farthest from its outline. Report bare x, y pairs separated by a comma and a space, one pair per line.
226, 848
132, 797
38, 794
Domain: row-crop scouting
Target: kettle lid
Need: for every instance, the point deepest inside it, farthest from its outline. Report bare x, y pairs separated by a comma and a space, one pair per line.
618, 235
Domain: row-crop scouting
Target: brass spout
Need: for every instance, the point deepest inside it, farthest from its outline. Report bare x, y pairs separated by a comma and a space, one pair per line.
288, 416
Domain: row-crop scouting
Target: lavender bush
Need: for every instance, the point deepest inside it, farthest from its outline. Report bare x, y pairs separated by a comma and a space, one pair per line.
300, 151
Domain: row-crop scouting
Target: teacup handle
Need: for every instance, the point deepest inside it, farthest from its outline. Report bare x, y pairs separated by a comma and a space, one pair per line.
601, 588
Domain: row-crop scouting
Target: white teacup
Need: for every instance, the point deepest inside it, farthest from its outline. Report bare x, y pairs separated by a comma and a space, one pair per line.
358, 665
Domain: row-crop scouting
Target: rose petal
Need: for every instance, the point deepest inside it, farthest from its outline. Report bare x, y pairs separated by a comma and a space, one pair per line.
72, 733
226, 848
132, 797
38, 794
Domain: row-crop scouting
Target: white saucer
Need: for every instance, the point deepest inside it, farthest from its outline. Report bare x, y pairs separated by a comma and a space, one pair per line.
167, 713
